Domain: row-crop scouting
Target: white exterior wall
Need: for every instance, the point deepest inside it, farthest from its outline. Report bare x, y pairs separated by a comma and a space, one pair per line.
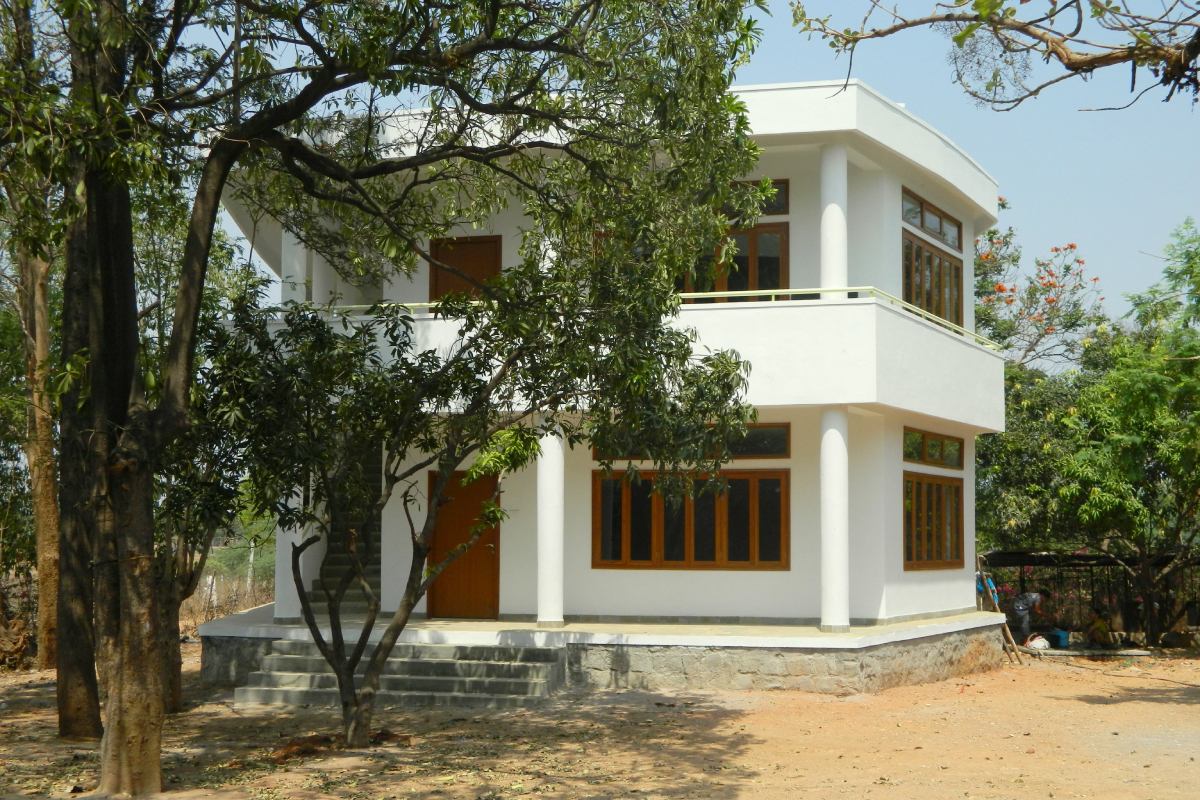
886, 366
880, 588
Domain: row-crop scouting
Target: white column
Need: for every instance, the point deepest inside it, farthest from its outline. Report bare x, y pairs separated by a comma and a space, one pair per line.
293, 270
835, 520
551, 488
287, 602
835, 263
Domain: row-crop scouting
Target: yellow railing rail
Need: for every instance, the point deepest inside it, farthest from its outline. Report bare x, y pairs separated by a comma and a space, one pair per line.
869, 291
771, 294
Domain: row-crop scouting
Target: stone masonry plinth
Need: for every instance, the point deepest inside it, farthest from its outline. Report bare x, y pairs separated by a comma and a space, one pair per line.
837, 672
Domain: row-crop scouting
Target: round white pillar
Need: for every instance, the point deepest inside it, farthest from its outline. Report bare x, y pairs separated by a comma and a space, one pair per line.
551, 488
835, 520
835, 260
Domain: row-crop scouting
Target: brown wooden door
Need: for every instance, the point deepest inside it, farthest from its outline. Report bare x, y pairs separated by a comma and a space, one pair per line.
470, 586
476, 256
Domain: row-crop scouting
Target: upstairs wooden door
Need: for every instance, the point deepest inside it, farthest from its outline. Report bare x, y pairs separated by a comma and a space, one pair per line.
470, 586
475, 256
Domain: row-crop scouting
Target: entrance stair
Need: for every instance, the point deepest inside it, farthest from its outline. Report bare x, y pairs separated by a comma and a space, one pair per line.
296, 674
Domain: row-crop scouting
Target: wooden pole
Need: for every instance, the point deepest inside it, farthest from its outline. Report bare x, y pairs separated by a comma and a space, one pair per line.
1010, 644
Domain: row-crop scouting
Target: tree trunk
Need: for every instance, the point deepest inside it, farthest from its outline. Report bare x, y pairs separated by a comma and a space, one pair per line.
77, 690
130, 753
170, 599
39, 448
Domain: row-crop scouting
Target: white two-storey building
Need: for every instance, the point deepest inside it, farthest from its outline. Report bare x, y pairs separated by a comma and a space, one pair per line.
842, 557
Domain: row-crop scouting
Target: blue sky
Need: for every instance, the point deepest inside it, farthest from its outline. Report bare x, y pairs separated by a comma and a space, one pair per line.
1116, 183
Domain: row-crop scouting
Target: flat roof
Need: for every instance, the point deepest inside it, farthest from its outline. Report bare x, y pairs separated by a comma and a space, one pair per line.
809, 112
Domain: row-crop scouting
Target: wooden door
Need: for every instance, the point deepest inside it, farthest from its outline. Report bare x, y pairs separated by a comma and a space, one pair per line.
476, 256
470, 586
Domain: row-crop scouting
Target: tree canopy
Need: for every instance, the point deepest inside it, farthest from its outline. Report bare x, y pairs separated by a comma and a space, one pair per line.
997, 44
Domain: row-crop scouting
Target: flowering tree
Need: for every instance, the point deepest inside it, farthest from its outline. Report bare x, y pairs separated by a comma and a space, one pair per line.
1043, 318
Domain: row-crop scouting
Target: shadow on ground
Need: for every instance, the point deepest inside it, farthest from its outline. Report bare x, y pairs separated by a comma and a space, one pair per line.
595, 745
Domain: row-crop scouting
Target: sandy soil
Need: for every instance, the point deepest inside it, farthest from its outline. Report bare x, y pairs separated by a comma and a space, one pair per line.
1112, 730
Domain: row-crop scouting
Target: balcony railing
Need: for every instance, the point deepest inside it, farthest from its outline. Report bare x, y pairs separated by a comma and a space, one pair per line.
772, 295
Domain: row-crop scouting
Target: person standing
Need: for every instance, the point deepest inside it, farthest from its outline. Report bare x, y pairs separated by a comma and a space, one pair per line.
1025, 607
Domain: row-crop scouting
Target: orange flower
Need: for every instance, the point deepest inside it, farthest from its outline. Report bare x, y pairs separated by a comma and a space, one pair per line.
1050, 329
1010, 300
1080, 261
1051, 299
999, 287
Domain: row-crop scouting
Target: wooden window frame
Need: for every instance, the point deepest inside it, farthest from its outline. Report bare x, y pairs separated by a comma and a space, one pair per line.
434, 245
779, 183
722, 282
924, 459
722, 562
920, 490
787, 426
787, 455
924, 281
925, 204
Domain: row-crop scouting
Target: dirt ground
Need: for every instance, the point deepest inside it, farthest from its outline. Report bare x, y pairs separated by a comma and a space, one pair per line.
1111, 730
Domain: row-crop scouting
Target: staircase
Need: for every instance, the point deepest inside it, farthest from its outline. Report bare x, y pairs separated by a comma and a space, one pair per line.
354, 603
295, 673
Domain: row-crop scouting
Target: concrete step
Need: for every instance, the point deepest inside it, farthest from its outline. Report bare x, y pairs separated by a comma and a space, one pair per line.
295, 673
330, 697
434, 667
429, 684
457, 652
375, 582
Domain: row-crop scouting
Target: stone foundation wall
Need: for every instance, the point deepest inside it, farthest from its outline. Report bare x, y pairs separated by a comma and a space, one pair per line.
838, 672
229, 660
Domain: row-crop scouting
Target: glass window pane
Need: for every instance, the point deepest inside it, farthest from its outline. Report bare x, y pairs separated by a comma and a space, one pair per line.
738, 519
704, 546
912, 210
769, 261
933, 449
739, 270
610, 520
674, 531
929, 518
704, 278
933, 222
908, 271
762, 441
927, 282
951, 453
913, 443
770, 519
641, 521
908, 520
950, 233
779, 203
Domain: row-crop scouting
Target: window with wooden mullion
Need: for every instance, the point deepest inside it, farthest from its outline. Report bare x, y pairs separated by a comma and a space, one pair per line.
745, 528
761, 262
933, 522
932, 279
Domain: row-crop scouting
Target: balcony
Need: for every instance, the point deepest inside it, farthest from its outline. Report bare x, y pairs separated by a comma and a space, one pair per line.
858, 346
845, 346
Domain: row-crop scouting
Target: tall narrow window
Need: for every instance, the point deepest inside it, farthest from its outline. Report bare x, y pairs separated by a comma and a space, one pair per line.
745, 528
932, 279
933, 522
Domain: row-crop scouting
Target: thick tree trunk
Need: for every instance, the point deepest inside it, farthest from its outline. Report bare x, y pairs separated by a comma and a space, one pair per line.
78, 694
39, 448
130, 753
